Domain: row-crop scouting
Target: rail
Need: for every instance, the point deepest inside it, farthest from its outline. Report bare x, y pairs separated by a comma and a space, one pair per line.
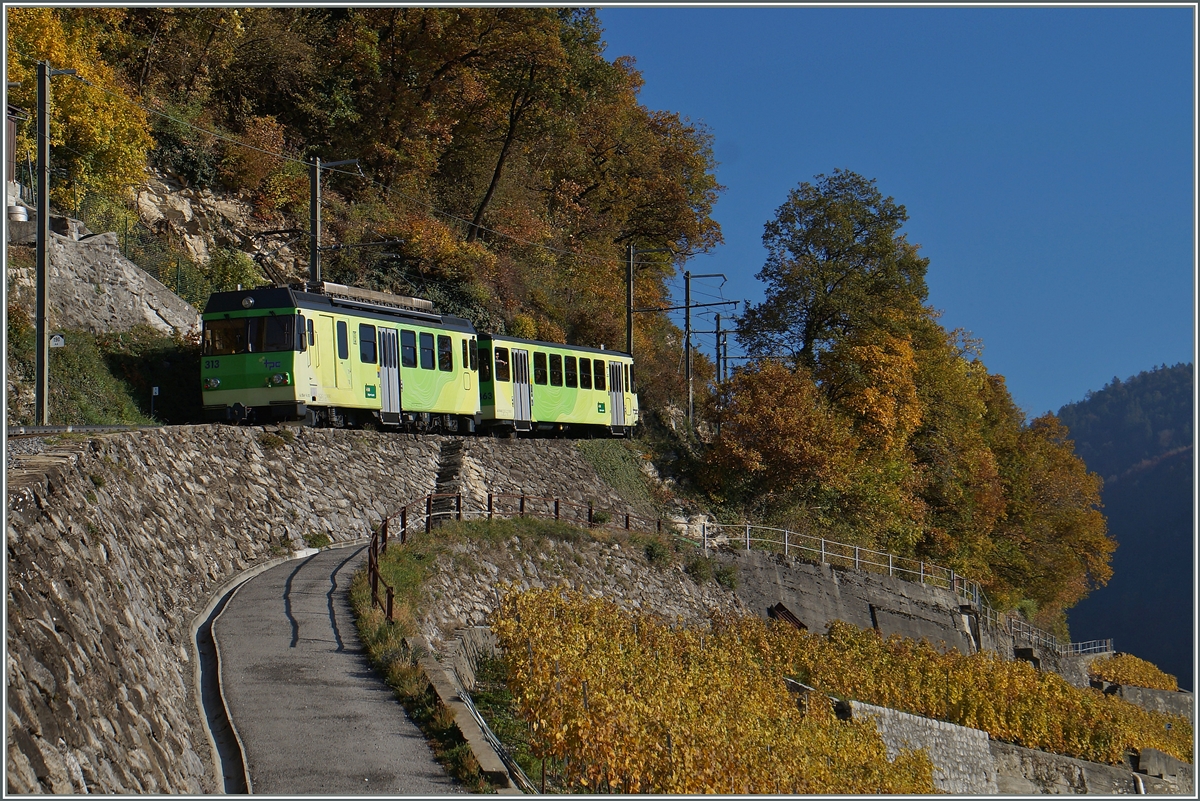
449, 506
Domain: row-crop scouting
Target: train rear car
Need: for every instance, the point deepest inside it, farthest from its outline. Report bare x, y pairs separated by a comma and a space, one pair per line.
526, 385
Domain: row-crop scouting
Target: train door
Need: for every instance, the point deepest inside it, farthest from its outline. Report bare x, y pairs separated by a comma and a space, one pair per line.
616, 393
522, 392
342, 375
326, 374
389, 376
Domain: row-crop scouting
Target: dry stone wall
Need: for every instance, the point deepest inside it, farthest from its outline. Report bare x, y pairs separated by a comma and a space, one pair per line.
962, 763
116, 543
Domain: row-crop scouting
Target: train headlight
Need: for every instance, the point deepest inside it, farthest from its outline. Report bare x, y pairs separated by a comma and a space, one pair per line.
212, 383
280, 379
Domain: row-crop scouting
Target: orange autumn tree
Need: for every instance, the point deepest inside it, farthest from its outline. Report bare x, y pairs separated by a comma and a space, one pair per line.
864, 420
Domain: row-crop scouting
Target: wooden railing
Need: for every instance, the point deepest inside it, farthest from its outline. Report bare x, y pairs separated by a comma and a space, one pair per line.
423, 512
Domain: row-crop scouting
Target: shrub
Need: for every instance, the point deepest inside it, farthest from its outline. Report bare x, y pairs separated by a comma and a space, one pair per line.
726, 576
657, 553
699, 568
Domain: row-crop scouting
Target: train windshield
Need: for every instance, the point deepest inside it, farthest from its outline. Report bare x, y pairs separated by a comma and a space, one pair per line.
250, 335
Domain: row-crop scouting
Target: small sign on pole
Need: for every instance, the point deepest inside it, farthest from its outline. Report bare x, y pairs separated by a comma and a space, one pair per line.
58, 341
153, 395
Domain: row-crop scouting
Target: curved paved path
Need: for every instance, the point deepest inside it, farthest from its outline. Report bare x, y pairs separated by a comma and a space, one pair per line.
312, 714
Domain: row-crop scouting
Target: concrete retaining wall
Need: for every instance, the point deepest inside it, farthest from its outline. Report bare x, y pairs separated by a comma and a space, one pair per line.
820, 594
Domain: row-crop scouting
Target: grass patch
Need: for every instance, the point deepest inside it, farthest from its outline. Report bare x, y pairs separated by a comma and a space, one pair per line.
316, 539
616, 461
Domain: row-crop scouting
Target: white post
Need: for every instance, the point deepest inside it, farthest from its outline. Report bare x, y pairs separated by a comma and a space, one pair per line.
889, 564
704, 533
856, 557
785, 542
747, 536
822, 550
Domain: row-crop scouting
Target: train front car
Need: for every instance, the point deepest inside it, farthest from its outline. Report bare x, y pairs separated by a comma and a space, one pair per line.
338, 356
544, 387
248, 368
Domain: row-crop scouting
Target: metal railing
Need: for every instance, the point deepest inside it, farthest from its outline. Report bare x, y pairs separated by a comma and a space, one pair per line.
839, 554
449, 506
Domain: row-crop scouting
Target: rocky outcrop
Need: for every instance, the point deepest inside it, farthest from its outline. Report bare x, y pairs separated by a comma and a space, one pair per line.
92, 287
202, 220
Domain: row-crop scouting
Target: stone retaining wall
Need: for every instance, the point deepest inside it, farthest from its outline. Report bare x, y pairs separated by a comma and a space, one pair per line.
962, 763
116, 543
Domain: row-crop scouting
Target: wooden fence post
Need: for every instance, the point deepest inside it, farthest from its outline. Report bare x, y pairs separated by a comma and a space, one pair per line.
590, 514
404, 525
627, 522
428, 513
522, 503
458, 506
556, 508
383, 531
489, 506
390, 595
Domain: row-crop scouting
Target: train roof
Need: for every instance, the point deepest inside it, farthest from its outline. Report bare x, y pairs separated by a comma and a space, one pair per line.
335, 297
563, 346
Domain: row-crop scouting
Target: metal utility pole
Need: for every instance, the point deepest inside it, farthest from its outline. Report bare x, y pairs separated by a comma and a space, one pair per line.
314, 214
629, 310
718, 332
41, 394
687, 329
687, 339
314, 221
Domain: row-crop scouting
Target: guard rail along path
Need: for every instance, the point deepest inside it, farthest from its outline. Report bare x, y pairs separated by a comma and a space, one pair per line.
446, 506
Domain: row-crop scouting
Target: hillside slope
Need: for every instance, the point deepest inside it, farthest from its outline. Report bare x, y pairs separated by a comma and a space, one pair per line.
1138, 434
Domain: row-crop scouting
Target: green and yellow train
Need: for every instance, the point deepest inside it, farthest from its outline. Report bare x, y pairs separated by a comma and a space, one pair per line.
340, 356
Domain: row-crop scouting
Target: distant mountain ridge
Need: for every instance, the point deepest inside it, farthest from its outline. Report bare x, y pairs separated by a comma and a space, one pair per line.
1137, 434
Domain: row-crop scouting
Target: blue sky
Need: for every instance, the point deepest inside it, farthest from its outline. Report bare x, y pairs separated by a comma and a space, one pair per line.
1045, 156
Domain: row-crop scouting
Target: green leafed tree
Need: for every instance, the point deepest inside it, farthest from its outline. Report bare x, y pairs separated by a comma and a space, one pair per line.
836, 263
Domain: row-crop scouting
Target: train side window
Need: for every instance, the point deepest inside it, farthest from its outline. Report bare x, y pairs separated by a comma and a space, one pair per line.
301, 338
312, 335
366, 344
502, 372
631, 378
408, 348
556, 370
627, 384
343, 341
426, 351
473, 354
485, 364
445, 353
572, 372
598, 373
585, 373
539, 368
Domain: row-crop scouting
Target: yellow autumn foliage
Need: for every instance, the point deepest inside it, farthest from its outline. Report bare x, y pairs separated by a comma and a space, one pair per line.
633, 703
636, 705
100, 137
1128, 669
